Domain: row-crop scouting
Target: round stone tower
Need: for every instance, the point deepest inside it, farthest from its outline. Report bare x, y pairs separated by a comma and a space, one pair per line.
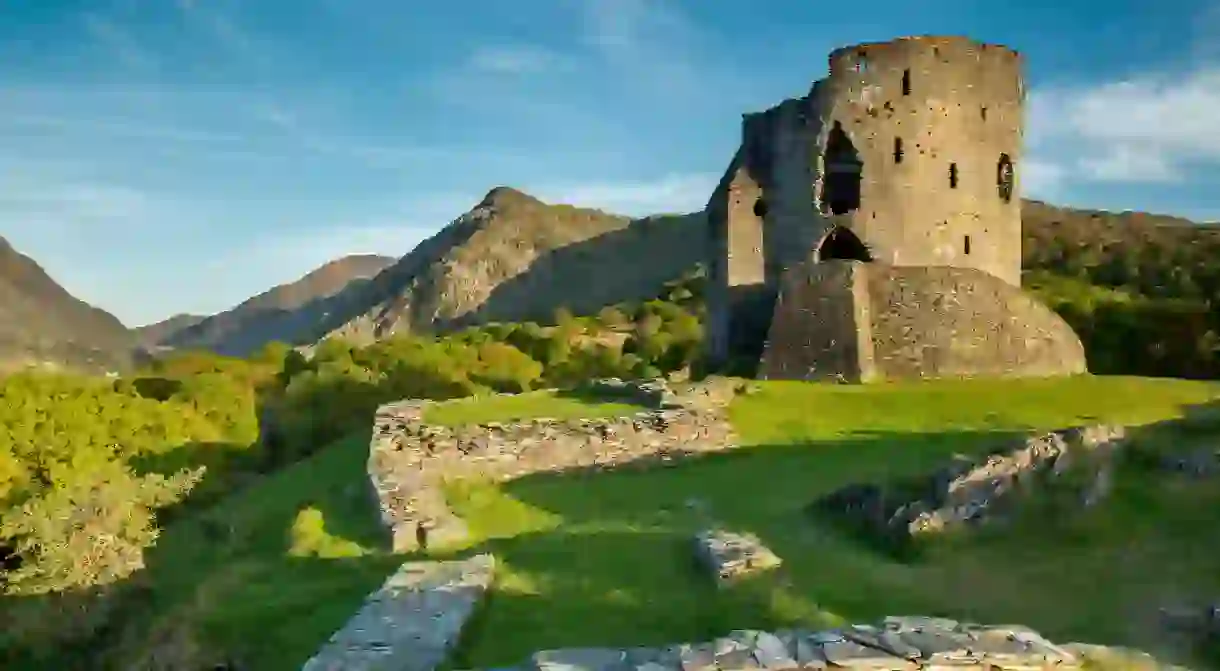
918, 154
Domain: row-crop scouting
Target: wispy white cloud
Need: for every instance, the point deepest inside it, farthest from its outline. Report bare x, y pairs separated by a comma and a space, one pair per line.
78, 201
120, 42
677, 193
519, 59
298, 141
1156, 126
651, 44
1146, 128
282, 256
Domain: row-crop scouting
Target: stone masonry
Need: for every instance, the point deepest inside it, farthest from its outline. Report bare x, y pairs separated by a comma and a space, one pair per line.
412, 622
729, 555
969, 490
907, 155
410, 460
907, 643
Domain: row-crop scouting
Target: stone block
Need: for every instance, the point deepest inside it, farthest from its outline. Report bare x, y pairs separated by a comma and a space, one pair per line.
728, 555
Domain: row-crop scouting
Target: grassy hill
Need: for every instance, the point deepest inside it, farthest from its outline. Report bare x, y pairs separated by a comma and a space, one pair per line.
265, 576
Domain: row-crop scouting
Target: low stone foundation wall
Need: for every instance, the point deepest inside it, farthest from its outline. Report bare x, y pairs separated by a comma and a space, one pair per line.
911, 643
969, 490
413, 621
409, 460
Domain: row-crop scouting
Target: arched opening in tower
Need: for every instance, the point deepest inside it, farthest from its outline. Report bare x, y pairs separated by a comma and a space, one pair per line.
841, 184
1005, 178
841, 243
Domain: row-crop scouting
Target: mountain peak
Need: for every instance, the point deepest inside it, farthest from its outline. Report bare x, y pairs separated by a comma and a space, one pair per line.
507, 195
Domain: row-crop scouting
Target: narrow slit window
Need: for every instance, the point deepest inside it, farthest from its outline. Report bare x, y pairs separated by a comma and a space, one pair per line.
897, 150
983, 112
952, 175
966, 245
906, 82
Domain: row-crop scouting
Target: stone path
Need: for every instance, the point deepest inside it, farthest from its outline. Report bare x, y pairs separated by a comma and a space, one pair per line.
412, 622
896, 644
731, 555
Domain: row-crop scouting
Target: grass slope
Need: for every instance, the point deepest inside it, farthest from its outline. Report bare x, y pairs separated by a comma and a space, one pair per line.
606, 560
506, 408
268, 575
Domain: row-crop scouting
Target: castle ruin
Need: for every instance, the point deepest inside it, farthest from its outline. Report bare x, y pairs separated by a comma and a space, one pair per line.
872, 228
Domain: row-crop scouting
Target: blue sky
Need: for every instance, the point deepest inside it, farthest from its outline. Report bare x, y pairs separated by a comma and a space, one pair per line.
163, 156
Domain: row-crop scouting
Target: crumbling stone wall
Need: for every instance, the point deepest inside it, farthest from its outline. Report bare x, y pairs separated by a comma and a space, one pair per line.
970, 490
409, 460
854, 321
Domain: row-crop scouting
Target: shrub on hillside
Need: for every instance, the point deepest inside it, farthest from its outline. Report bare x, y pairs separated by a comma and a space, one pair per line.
91, 529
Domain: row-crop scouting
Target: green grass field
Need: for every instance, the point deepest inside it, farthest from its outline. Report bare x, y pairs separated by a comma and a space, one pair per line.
269, 574
521, 406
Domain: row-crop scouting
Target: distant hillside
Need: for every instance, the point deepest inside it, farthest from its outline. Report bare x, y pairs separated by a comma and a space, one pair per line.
41, 323
514, 257
1153, 254
281, 313
154, 334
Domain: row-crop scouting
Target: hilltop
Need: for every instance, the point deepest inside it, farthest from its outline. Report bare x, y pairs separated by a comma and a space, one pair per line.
514, 258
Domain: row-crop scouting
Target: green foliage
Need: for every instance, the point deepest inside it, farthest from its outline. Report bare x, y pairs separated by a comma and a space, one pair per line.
91, 529
88, 458
308, 537
1127, 333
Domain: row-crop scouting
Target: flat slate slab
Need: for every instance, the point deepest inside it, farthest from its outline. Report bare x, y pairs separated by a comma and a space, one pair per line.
412, 622
730, 555
895, 644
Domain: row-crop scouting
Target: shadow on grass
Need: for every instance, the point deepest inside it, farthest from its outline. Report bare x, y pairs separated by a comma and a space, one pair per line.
596, 396
608, 560
260, 580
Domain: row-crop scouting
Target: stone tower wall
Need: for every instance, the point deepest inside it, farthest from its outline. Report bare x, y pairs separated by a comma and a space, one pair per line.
951, 102
859, 322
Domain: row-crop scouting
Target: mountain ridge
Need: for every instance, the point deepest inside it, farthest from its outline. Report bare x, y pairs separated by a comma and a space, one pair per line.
512, 257
41, 323
275, 314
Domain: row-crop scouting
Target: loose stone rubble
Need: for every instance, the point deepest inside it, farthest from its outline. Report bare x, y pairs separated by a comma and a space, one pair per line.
895, 644
409, 459
412, 622
729, 555
967, 491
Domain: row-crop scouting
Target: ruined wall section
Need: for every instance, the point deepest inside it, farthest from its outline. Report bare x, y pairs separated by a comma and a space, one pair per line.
735, 246
834, 297
931, 118
410, 460
783, 139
